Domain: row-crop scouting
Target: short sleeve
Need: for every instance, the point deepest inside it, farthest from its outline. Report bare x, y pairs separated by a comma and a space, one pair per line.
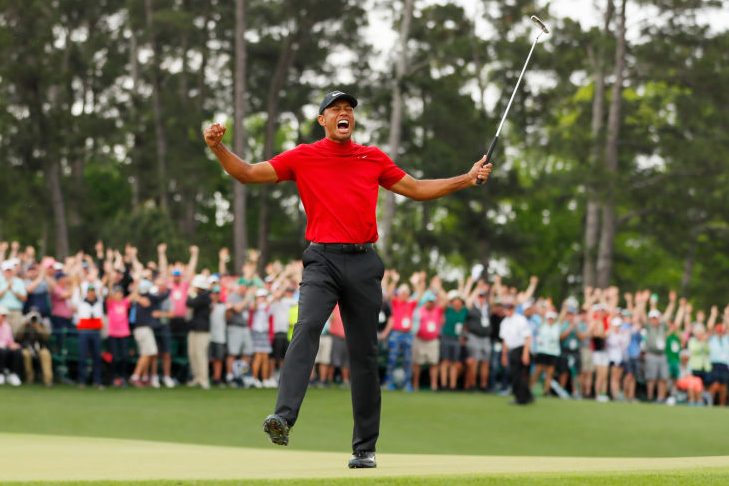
284, 164
390, 173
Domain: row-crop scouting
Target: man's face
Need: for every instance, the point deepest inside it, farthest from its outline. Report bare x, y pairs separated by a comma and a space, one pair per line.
338, 121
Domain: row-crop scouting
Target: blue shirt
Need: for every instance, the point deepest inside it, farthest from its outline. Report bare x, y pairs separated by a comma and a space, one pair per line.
719, 349
9, 300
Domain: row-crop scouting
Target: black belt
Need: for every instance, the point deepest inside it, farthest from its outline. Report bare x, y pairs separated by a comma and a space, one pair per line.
343, 247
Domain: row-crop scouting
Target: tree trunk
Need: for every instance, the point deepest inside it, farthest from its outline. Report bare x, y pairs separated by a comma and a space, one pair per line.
134, 121
285, 59
240, 234
159, 131
592, 213
60, 227
688, 264
393, 143
607, 236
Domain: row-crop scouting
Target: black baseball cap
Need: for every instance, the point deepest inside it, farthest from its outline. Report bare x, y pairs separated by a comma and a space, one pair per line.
334, 96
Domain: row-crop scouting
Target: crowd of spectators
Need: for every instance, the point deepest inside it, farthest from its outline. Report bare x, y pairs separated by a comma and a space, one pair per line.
107, 319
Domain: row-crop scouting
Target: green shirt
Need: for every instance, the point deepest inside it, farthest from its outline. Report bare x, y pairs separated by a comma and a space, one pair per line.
673, 348
454, 322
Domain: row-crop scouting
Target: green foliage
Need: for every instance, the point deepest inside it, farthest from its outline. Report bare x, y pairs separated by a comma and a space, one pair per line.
75, 94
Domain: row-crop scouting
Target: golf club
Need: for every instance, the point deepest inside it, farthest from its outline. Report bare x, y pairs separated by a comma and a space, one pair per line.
543, 29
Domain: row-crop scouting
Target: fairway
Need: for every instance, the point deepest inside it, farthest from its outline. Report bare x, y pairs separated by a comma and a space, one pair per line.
189, 434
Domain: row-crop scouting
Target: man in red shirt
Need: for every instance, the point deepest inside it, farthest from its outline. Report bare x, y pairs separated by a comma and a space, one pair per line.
338, 181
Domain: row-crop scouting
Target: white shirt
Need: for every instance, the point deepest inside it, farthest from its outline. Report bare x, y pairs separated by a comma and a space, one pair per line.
87, 310
280, 309
514, 330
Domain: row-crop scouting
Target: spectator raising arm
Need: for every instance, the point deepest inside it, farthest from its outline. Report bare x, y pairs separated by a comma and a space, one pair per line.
223, 259
192, 264
529, 292
162, 261
668, 313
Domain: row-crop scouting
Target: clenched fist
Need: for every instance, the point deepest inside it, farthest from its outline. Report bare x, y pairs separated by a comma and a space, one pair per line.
214, 134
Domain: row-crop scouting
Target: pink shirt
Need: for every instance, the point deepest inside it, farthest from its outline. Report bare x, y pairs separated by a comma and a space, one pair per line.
430, 322
60, 306
6, 336
178, 297
336, 326
117, 312
402, 314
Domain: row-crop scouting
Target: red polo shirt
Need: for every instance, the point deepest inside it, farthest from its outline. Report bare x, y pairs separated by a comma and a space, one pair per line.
338, 185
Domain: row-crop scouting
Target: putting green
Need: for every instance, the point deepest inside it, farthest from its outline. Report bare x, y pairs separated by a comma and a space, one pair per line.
25, 457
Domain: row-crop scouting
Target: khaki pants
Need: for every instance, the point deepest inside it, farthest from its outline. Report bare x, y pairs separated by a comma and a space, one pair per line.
44, 356
197, 351
15, 319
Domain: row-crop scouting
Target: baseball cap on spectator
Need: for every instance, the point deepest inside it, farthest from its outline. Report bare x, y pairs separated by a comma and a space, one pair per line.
551, 315
214, 278
654, 314
508, 303
572, 309
200, 282
333, 96
428, 296
177, 272
58, 266
616, 321
261, 293
598, 307
145, 286
7, 265
3, 310
453, 295
215, 289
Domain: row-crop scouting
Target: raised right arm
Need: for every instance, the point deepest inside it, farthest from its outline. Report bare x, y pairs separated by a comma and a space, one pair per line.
241, 170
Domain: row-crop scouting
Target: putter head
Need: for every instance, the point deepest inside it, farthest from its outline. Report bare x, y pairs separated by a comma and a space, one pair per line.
540, 24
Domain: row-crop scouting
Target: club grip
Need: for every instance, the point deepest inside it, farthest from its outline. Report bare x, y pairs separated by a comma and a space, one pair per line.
488, 155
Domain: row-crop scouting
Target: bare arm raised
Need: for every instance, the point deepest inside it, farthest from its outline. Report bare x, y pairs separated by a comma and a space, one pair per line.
244, 172
426, 189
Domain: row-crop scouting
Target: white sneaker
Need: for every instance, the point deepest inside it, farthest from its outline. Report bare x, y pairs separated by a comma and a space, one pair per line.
14, 380
229, 378
205, 386
2, 378
154, 383
168, 381
257, 383
247, 381
270, 383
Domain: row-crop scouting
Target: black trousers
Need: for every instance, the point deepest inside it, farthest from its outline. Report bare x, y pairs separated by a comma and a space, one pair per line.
11, 360
354, 281
519, 376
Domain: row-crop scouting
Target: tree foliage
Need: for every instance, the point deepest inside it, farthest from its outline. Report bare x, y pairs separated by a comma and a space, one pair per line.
79, 135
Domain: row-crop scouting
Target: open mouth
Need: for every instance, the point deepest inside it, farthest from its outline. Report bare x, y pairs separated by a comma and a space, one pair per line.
343, 124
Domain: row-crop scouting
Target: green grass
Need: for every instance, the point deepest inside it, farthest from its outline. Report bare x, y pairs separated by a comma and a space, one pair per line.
441, 423
707, 477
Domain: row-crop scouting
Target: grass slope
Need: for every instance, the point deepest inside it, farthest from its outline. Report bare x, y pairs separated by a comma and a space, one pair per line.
707, 477
450, 423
